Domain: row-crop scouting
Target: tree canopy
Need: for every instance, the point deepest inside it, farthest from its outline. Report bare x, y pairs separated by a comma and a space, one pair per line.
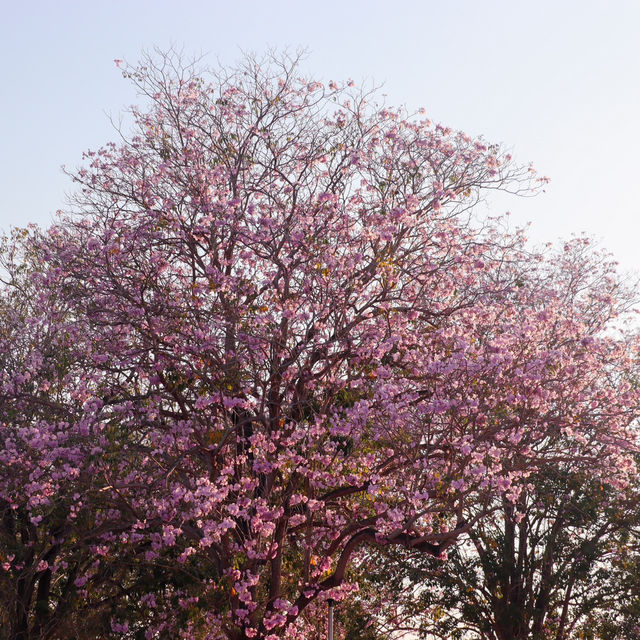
269, 331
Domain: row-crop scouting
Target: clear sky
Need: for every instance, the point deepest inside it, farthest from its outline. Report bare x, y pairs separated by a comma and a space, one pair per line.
556, 81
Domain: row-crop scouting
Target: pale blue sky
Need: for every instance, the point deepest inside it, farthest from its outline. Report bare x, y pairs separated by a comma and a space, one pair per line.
558, 82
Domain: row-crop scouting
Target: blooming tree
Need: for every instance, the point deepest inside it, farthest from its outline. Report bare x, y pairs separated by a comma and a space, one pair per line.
555, 560
297, 341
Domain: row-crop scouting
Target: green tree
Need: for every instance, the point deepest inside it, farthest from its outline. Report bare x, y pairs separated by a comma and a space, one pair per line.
561, 562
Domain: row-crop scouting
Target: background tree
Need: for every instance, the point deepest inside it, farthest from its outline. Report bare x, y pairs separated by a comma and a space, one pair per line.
64, 573
559, 563
44, 470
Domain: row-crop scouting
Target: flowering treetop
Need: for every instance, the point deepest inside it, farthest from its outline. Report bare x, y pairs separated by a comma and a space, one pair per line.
294, 339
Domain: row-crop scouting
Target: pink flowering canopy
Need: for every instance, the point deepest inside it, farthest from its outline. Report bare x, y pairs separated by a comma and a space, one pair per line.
291, 339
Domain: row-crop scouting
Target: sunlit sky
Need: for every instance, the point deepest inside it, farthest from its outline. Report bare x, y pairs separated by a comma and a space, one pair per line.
556, 82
